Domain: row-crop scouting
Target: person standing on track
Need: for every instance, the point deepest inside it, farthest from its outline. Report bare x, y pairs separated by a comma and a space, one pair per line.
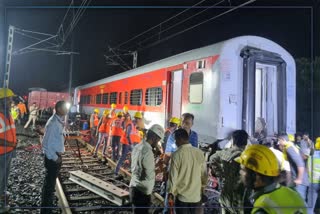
143, 170
103, 131
94, 122
53, 147
116, 133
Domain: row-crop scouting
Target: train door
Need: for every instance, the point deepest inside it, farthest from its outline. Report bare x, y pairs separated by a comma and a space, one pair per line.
266, 96
264, 91
176, 92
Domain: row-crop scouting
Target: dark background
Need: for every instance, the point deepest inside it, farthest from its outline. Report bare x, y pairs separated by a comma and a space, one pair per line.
292, 24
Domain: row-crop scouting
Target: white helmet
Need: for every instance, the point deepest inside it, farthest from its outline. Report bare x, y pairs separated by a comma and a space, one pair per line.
158, 130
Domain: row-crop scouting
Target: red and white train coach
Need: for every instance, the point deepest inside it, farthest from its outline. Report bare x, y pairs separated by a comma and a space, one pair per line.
226, 86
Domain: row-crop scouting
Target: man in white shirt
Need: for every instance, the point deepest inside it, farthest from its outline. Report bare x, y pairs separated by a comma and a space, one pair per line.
143, 170
187, 175
53, 147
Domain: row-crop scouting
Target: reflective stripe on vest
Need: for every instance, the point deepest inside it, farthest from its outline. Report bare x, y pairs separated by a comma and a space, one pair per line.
273, 202
116, 128
7, 134
314, 171
14, 113
135, 135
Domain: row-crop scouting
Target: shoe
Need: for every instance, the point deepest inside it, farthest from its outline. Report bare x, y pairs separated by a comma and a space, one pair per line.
94, 156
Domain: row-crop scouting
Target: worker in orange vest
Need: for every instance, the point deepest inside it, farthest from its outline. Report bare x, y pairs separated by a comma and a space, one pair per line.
23, 110
125, 142
103, 131
116, 133
94, 122
8, 143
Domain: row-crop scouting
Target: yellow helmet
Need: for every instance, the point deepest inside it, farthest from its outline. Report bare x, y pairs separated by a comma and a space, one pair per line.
6, 92
119, 114
291, 137
113, 105
106, 112
96, 110
260, 159
138, 115
125, 109
317, 145
175, 120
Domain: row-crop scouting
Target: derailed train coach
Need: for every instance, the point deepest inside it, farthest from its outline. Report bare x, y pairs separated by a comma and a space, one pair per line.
227, 86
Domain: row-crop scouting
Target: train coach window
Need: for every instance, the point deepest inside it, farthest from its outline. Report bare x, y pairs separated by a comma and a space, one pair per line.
126, 98
136, 97
120, 97
201, 64
88, 101
153, 96
196, 88
98, 99
105, 97
113, 97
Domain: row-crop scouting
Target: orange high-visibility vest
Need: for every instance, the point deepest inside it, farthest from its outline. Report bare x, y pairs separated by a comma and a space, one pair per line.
8, 139
22, 108
135, 135
96, 120
116, 127
124, 139
105, 125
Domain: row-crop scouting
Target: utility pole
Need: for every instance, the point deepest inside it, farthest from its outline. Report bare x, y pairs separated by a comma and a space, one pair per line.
70, 70
8, 57
2, 36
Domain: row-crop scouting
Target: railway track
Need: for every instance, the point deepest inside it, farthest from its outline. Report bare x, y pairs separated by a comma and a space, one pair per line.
85, 185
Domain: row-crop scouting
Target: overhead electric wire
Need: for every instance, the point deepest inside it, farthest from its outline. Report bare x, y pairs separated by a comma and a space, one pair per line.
80, 15
32, 37
165, 30
76, 18
196, 25
154, 27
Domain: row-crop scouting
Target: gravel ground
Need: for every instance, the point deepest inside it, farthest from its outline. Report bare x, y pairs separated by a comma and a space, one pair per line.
26, 175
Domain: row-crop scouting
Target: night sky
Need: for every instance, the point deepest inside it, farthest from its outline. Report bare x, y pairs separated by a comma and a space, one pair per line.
103, 27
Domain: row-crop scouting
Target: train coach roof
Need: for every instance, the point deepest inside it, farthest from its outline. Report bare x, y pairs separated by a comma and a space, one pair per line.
194, 54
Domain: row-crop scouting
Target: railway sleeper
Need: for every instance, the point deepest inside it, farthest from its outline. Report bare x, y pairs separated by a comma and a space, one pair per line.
106, 190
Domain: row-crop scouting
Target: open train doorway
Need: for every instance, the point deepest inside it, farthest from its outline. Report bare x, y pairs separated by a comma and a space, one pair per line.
264, 80
266, 98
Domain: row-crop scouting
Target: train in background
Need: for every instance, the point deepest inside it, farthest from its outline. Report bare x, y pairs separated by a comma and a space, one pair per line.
227, 86
46, 99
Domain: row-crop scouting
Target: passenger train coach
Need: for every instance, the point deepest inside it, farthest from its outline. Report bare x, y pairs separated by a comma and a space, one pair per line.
226, 86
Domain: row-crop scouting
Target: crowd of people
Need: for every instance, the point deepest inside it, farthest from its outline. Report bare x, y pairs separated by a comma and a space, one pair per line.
259, 174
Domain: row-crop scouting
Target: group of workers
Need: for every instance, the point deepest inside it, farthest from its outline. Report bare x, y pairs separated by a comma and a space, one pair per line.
272, 176
19, 112
253, 172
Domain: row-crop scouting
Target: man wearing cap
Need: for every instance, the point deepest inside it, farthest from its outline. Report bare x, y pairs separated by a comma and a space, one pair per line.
143, 170
187, 176
259, 171
8, 143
